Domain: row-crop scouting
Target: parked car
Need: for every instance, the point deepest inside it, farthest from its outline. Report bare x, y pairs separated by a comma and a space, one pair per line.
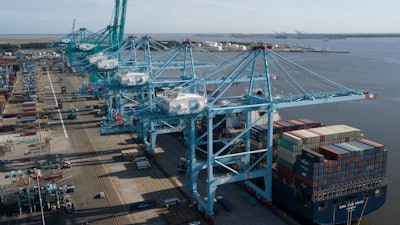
66, 164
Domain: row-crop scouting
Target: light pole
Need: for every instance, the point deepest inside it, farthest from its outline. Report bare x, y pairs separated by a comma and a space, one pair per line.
40, 196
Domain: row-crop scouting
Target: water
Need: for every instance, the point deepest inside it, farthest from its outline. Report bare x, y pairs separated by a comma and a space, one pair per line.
373, 64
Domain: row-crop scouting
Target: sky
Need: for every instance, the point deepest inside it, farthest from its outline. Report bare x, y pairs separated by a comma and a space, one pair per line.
203, 16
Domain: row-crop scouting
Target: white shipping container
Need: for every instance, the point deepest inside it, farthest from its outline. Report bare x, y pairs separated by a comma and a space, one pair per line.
292, 138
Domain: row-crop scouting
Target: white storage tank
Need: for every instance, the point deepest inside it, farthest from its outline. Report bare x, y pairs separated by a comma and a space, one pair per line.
216, 48
107, 64
241, 48
133, 78
182, 103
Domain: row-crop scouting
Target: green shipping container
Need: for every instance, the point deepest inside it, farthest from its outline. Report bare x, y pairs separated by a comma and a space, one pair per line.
288, 145
285, 163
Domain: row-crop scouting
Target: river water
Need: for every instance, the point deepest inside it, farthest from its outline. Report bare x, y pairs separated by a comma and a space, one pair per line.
372, 64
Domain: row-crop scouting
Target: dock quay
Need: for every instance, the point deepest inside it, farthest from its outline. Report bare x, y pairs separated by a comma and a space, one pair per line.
48, 138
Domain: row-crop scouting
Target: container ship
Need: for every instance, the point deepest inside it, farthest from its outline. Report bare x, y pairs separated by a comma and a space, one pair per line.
324, 174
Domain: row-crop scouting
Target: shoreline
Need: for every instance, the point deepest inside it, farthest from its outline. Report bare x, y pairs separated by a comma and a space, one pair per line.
14, 41
30, 40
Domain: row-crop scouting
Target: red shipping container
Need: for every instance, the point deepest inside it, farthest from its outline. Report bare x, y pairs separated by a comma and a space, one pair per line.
330, 153
299, 124
381, 147
305, 180
285, 173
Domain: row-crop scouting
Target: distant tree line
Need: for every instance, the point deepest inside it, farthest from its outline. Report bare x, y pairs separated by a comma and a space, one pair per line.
8, 47
12, 47
34, 46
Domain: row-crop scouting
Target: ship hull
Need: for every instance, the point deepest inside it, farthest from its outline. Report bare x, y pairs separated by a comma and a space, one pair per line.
336, 210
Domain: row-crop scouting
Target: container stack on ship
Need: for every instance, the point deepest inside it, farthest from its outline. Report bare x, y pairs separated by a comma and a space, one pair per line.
325, 174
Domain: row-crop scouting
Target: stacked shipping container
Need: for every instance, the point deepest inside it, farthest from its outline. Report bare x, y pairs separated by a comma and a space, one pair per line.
326, 158
292, 143
258, 133
28, 112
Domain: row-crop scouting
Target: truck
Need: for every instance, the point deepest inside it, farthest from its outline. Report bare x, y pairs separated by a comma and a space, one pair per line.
72, 115
171, 201
143, 164
67, 188
69, 207
147, 204
139, 159
53, 176
182, 166
66, 164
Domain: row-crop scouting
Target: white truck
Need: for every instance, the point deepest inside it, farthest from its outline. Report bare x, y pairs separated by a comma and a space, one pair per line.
142, 164
66, 164
171, 201
139, 159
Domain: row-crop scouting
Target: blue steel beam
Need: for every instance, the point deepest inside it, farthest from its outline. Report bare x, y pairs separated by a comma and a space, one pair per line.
221, 103
221, 157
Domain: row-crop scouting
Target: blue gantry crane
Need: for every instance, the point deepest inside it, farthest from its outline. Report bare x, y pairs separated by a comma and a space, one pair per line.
105, 67
213, 102
230, 158
236, 91
146, 79
80, 44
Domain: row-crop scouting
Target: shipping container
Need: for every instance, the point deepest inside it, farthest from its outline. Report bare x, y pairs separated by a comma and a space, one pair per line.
312, 155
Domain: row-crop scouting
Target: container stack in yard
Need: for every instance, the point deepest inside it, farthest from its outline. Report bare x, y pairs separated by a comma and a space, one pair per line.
19, 112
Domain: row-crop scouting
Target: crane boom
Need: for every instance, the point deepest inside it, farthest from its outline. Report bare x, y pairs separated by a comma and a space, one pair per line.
122, 21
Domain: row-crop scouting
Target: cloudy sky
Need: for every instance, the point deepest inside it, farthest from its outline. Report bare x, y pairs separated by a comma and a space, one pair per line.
203, 16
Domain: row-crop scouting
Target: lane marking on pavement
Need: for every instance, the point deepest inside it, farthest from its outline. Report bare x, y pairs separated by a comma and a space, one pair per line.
59, 111
99, 180
131, 217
